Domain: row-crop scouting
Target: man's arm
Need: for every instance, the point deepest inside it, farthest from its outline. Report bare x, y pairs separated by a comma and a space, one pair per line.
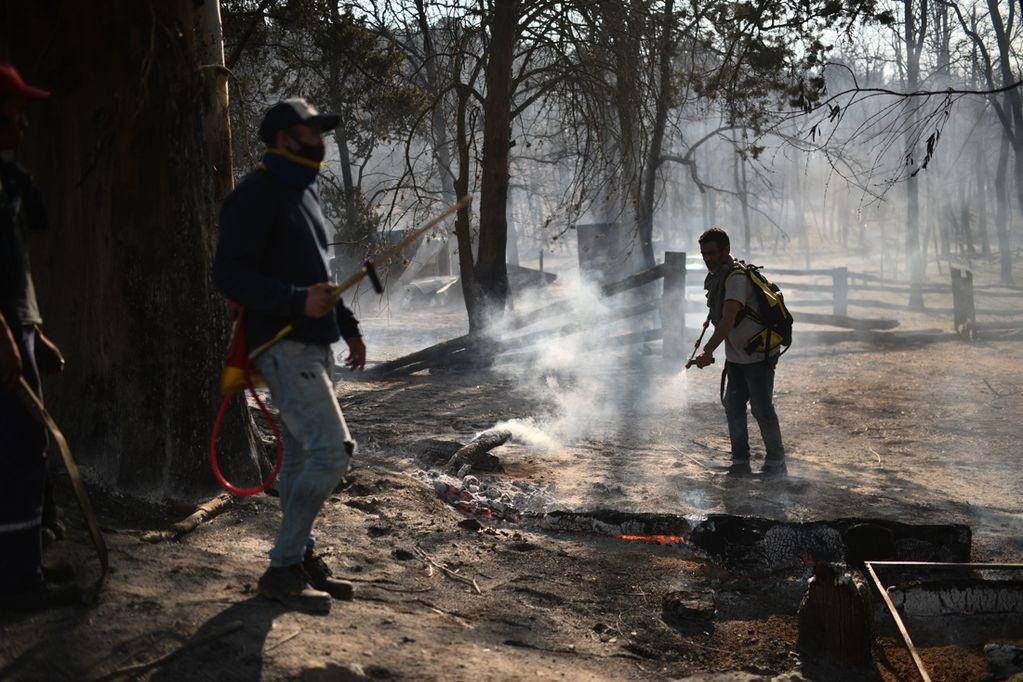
245, 224
721, 332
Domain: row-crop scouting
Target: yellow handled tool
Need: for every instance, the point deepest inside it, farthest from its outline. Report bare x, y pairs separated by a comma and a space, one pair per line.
368, 269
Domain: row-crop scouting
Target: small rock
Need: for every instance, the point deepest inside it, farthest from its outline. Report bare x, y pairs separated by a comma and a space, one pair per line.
335, 672
689, 605
600, 628
471, 524
1004, 660
524, 546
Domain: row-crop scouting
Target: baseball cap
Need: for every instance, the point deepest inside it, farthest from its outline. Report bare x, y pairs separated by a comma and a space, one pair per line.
11, 83
288, 112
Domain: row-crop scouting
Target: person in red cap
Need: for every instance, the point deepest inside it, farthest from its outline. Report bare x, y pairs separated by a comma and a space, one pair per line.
24, 582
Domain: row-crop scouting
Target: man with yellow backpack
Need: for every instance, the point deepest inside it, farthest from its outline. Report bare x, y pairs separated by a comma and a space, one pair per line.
750, 318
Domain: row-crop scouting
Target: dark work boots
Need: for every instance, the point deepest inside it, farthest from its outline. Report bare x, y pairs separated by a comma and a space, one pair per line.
774, 468
740, 467
320, 578
289, 586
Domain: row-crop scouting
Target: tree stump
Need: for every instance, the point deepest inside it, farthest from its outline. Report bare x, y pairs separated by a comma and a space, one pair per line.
835, 618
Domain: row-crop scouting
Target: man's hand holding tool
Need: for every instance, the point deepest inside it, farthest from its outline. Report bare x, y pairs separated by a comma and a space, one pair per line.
701, 360
320, 300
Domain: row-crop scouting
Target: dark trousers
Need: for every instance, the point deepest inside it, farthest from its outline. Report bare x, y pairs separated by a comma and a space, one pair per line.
753, 384
23, 463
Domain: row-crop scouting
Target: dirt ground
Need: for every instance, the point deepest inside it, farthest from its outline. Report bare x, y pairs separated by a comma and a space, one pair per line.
917, 433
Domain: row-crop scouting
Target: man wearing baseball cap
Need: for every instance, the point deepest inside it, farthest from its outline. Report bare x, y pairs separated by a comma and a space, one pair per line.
24, 582
272, 259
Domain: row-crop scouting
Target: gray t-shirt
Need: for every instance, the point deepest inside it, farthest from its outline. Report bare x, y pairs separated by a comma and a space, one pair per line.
20, 210
738, 288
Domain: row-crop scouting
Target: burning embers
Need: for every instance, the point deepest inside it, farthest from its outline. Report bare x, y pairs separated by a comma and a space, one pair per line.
665, 529
469, 500
653, 539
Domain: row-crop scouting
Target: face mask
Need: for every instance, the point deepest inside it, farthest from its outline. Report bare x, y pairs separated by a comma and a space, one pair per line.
308, 151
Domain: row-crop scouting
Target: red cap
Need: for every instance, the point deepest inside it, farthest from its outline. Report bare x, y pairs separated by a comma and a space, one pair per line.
12, 84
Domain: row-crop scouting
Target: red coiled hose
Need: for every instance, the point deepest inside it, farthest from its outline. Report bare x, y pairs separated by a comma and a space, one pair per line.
227, 485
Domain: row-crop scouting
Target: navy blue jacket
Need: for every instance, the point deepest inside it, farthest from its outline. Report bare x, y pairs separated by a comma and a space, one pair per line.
272, 248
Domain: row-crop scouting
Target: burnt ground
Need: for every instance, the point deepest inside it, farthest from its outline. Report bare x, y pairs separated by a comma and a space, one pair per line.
917, 433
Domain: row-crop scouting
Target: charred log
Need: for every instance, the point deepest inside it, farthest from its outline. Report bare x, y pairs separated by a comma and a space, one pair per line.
476, 454
775, 544
835, 617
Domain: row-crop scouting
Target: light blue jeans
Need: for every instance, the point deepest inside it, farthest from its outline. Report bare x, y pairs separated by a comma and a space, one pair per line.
317, 444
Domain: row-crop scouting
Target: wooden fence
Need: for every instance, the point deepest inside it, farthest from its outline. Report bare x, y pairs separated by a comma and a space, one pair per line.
523, 331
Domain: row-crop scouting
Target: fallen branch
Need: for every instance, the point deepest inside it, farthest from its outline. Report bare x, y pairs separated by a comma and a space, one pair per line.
471, 452
432, 563
204, 512
134, 670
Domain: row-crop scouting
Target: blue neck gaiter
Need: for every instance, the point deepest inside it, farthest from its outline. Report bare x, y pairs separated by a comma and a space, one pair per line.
291, 169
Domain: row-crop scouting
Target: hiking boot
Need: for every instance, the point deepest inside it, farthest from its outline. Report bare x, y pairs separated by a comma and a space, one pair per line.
740, 467
41, 595
774, 467
321, 578
289, 586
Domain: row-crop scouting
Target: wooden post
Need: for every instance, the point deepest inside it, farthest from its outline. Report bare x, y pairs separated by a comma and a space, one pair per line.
217, 123
964, 313
840, 284
541, 265
598, 249
673, 306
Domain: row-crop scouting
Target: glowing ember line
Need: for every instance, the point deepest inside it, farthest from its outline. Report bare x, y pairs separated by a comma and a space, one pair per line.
659, 539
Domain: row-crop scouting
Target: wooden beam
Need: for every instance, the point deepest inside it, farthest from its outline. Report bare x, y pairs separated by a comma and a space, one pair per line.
632, 281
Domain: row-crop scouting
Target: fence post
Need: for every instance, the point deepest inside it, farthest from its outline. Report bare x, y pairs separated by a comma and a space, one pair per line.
964, 315
541, 265
673, 306
840, 291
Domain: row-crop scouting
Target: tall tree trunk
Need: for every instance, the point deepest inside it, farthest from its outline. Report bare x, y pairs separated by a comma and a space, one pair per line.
914, 38
463, 225
124, 274
662, 102
982, 176
739, 178
1012, 111
348, 185
438, 128
1002, 212
491, 270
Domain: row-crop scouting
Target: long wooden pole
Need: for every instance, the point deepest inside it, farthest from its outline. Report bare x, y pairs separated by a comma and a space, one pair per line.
35, 407
898, 623
336, 292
